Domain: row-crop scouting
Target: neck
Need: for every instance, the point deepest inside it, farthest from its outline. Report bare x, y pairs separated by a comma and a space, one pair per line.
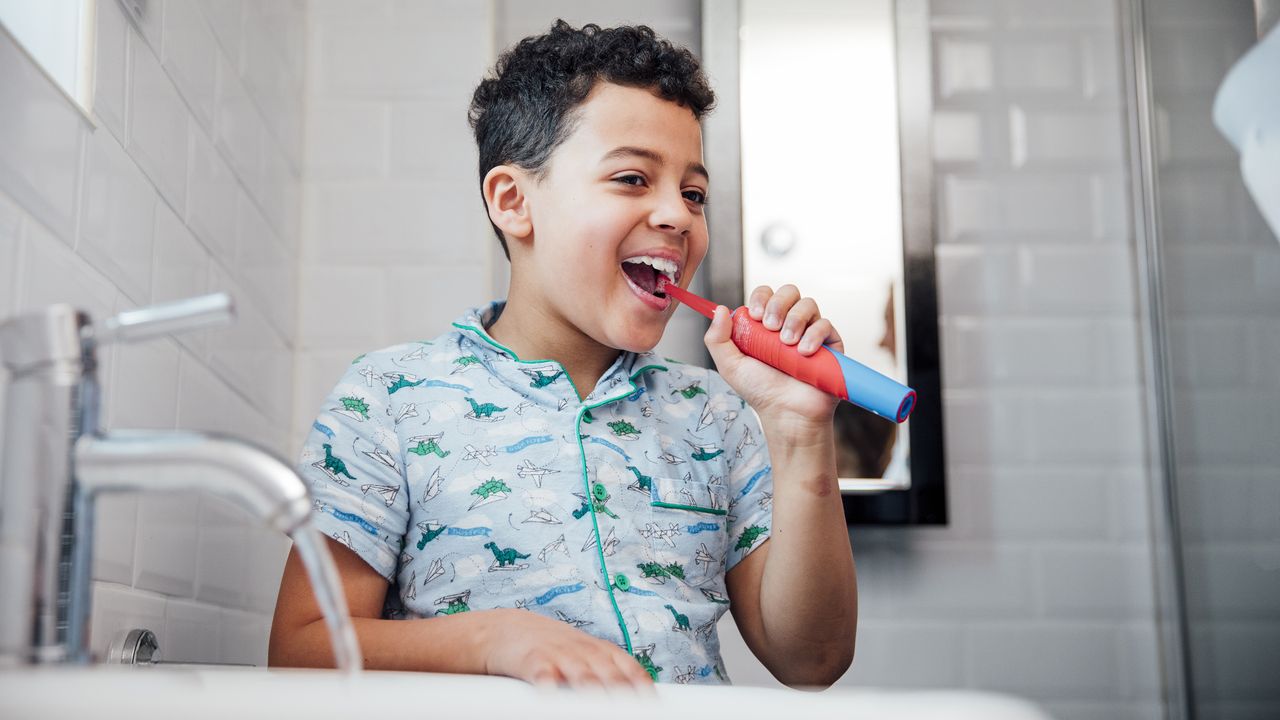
533, 331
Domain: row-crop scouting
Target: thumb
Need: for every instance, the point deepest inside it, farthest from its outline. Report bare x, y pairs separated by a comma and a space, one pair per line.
718, 339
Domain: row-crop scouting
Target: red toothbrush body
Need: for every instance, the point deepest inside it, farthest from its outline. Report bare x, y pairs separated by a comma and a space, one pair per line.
829, 371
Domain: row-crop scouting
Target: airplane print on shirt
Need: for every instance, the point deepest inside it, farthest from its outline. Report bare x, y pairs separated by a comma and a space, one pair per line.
472, 479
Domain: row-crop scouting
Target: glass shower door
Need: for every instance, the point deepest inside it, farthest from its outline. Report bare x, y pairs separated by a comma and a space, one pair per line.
1214, 273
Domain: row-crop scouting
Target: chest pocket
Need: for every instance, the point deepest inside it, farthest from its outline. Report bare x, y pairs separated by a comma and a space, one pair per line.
689, 493
686, 529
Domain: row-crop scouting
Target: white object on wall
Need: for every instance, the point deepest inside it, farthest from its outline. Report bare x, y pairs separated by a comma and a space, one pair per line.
1247, 111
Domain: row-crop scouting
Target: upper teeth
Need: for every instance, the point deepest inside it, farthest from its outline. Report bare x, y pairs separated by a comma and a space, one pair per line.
662, 265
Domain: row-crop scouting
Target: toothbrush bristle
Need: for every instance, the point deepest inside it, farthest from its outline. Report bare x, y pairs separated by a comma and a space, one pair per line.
693, 302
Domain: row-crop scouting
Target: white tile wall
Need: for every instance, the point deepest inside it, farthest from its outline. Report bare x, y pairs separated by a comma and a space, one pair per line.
167, 530
1039, 587
119, 608
111, 68
395, 240
51, 273
191, 57
242, 637
221, 535
148, 19
190, 630
157, 124
392, 218
391, 193
144, 386
211, 209
161, 196
266, 264
1041, 584
117, 217
113, 538
181, 268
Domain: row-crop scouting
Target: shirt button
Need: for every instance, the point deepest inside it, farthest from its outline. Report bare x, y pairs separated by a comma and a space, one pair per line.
600, 492
622, 582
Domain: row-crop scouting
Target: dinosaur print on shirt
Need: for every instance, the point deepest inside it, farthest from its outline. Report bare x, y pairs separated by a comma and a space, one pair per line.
472, 480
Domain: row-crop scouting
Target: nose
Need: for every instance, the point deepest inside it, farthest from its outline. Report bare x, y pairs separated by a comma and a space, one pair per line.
671, 214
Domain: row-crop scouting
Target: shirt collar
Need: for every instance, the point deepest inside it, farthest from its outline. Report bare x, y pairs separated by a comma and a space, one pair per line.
504, 363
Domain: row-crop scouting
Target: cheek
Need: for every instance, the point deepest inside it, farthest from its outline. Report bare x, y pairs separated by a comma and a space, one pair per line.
582, 263
697, 253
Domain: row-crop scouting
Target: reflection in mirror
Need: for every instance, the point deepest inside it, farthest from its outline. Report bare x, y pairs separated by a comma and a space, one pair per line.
821, 193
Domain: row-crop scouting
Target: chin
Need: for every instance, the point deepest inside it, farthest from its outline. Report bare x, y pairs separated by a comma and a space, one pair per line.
640, 341
637, 346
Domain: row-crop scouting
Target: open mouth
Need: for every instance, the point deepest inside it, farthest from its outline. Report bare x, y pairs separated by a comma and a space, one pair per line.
645, 272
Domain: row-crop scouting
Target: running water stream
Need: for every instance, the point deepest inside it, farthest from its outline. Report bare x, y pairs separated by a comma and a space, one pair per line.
325, 584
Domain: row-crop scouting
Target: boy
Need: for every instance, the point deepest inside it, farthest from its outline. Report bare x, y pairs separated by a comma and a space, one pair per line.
514, 525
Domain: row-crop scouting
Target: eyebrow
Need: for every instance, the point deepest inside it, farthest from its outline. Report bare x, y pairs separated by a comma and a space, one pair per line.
632, 151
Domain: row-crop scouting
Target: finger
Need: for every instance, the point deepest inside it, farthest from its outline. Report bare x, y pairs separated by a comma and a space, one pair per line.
636, 675
610, 674
798, 318
815, 336
546, 676
834, 340
756, 303
580, 675
718, 339
721, 328
601, 660
776, 309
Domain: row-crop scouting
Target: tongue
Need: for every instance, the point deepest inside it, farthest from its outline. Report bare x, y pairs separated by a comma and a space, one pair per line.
643, 275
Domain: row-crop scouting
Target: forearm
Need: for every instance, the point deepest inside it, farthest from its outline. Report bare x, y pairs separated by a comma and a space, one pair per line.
808, 593
449, 643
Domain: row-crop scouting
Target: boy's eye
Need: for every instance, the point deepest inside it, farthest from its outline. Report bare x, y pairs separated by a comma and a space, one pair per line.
694, 196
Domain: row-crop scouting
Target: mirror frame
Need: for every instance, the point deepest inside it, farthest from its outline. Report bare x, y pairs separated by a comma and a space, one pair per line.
925, 501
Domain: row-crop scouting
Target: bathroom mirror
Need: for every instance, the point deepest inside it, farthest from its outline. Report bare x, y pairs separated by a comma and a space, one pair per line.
823, 121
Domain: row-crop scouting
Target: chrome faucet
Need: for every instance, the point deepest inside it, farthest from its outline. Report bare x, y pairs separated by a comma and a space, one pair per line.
56, 460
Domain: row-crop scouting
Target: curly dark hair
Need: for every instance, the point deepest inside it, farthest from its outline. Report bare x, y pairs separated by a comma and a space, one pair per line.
525, 109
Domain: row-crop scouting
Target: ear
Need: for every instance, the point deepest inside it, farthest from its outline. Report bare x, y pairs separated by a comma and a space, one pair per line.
504, 195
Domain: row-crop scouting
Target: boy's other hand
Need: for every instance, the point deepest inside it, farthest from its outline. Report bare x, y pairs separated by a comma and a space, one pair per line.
543, 651
774, 395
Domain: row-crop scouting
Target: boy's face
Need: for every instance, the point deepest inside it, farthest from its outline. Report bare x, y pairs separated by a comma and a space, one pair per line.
627, 184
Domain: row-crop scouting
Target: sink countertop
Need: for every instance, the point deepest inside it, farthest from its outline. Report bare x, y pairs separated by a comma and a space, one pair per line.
193, 692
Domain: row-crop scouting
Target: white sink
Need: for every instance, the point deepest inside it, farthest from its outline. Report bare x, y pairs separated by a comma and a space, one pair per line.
200, 692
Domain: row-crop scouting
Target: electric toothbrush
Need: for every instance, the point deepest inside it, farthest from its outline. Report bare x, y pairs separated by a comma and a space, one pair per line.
830, 371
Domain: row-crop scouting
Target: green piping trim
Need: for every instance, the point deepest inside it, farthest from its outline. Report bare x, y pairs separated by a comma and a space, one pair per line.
711, 511
582, 456
586, 482
648, 367
485, 336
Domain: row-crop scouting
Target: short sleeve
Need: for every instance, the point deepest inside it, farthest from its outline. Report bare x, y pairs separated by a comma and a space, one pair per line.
750, 477
352, 461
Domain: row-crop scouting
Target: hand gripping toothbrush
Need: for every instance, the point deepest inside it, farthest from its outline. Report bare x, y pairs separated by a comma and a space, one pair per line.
829, 371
